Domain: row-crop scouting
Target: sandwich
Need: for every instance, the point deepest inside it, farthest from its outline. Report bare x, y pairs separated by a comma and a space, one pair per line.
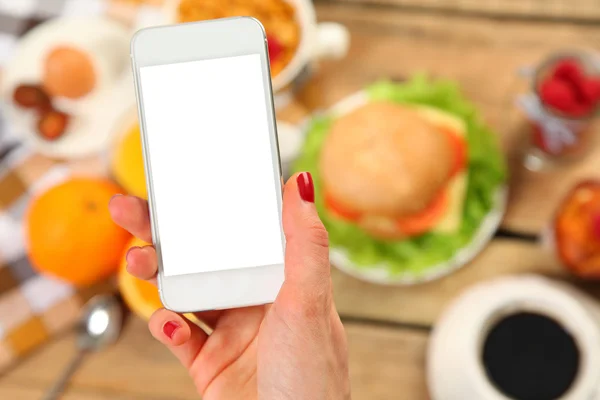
394, 170
406, 178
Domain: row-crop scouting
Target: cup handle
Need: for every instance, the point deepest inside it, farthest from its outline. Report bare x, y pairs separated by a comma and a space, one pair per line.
333, 41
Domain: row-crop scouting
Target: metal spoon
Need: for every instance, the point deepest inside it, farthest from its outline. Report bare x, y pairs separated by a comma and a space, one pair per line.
99, 326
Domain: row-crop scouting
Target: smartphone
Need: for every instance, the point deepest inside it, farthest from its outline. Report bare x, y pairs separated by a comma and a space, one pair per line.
212, 163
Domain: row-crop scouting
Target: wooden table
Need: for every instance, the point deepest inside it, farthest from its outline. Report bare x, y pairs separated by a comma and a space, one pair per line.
387, 327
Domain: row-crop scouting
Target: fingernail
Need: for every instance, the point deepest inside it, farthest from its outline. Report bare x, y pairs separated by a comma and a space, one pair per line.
306, 187
114, 196
169, 328
129, 252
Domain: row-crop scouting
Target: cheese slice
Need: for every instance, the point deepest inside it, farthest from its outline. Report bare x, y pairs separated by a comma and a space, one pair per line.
452, 218
442, 119
457, 188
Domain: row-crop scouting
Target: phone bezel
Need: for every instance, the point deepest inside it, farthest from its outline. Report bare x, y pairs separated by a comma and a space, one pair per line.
220, 38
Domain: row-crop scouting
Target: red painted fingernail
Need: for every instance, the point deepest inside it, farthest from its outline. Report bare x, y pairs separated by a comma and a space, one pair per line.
169, 328
129, 252
306, 187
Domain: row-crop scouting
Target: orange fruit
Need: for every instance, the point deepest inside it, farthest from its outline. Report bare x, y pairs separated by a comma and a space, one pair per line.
70, 234
141, 296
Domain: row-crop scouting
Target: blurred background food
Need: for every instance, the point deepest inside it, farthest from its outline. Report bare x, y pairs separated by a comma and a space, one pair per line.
127, 161
567, 87
68, 72
390, 188
576, 230
277, 16
383, 199
451, 143
76, 73
141, 296
70, 234
296, 41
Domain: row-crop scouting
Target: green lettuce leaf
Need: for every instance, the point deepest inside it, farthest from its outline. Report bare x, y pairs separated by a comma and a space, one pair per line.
486, 172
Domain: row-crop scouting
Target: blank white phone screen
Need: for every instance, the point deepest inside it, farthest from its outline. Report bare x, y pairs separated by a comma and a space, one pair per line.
211, 165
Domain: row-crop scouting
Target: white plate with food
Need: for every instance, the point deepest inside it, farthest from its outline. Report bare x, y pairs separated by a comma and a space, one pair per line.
67, 83
410, 183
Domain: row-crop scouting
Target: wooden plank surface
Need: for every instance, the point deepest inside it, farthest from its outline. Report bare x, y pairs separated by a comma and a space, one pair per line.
137, 366
383, 361
482, 54
422, 304
387, 363
20, 392
578, 10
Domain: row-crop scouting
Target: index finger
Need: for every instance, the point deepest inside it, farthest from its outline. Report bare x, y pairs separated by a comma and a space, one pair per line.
131, 213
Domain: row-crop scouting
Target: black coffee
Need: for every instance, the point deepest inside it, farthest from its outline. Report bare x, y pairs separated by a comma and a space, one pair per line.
530, 357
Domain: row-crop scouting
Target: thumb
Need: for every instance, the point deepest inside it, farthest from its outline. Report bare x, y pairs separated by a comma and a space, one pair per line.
307, 243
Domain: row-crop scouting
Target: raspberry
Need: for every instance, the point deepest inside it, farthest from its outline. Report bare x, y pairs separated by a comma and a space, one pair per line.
581, 109
568, 70
275, 48
590, 91
559, 95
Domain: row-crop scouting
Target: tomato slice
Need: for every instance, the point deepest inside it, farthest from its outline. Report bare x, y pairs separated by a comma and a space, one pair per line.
426, 219
460, 151
340, 211
410, 226
274, 47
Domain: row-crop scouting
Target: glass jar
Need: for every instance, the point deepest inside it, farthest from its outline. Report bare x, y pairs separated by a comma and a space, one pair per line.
555, 137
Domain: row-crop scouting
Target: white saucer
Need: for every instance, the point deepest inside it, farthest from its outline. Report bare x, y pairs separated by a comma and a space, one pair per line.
92, 116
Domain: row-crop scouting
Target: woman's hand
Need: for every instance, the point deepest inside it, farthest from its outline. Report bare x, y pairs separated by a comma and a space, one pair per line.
292, 349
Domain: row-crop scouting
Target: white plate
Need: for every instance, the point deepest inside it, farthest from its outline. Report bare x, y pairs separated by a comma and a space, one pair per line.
380, 273
92, 116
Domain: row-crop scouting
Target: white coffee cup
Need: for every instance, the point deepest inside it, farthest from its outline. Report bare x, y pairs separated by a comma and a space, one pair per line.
454, 362
318, 41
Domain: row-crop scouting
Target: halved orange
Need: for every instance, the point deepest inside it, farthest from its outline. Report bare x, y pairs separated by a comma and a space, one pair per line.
127, 162
141, 296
